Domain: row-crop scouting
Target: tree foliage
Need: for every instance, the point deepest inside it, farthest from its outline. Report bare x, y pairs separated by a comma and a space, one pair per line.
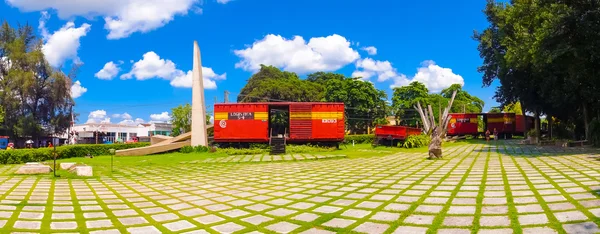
35, 98
365, 105
544, 53
181, 118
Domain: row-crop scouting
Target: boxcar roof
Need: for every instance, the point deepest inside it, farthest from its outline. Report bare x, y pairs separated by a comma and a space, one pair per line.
278, 103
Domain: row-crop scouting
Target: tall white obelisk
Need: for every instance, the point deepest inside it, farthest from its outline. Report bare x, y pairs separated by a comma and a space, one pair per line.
199, 136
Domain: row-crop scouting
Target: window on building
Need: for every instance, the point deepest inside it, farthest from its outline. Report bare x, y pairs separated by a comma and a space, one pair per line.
122, 136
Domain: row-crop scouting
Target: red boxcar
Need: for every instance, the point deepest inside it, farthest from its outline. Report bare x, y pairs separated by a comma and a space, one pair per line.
308, 122
503, 122
463, 124
519, 128
395, 132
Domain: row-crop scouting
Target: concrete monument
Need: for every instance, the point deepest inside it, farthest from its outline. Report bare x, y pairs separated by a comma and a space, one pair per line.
198, 107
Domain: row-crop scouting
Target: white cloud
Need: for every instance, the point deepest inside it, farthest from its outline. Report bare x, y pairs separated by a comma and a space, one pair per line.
63, 44
122, 17
433, 76
109, 71
77, 90
382, 69
162, 117
125, 116
152, 66
132, 122
319, 54
208, 75
371, 50
98, 116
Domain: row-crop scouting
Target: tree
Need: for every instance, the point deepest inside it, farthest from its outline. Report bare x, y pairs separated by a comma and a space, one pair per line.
404, 98
35, 97
181, 118
513, 108
365, 106
464, 102
436, 131
271, 84
495, 110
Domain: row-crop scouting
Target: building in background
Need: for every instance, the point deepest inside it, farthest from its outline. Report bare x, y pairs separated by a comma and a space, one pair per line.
106, 133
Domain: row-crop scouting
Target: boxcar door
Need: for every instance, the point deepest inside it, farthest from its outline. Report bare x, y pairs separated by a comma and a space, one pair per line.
300, 122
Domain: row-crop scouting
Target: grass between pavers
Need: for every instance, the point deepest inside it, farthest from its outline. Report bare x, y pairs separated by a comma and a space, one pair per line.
354, 173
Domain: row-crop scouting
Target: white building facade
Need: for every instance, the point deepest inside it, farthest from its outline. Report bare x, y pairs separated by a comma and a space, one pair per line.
111, 133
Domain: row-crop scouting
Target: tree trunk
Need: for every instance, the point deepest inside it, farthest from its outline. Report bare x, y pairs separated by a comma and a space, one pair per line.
550, 123
537, 124
586, 122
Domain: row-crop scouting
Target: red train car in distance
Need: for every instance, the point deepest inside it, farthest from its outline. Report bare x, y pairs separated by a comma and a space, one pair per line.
519, 128
308, 121
395, 132
504, 123
463, 124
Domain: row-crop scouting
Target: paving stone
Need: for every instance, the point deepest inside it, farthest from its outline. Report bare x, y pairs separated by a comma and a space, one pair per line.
570, 216
539, 230
533, 219
104, 223
94, 215
385, 216
164, 217
586, 227
281, 212
31, 225
561, 206
282, 227
108, 231
338, 223
458, 221
317, 231
496, 231
208, 219
531, 208
461, 210
123, 213
235, 213
306, 217
355, 213
179, 225
410, 230
143, 230
130, 221
327, 209
491, 221
63, 216
302, 205
228, 227
371, 228
30, 215
257, 219
453, 231
419, 219
258, 207
429, 209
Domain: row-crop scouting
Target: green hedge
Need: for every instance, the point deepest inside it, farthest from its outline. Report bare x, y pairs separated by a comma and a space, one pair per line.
70, 151
360, 139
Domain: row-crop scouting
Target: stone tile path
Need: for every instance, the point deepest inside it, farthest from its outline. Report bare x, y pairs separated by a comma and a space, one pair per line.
268, 158
476, 189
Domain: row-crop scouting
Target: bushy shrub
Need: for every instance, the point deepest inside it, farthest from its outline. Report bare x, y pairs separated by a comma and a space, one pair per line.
17, 156
200, 149
360, 139
186, 149
416, 141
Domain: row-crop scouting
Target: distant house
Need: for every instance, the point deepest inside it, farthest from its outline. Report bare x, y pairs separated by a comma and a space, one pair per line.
90, 133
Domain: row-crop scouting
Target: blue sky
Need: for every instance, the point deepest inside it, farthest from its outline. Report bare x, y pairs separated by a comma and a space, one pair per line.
150, 42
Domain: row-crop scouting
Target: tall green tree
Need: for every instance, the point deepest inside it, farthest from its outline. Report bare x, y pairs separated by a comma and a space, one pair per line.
365, 105
404, 99
271, 84
181, 118
35, 97
463, 102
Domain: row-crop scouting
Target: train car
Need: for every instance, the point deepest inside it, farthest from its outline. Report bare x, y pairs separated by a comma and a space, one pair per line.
504, 123
519, 128
463, 124
299, 122
394, 134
